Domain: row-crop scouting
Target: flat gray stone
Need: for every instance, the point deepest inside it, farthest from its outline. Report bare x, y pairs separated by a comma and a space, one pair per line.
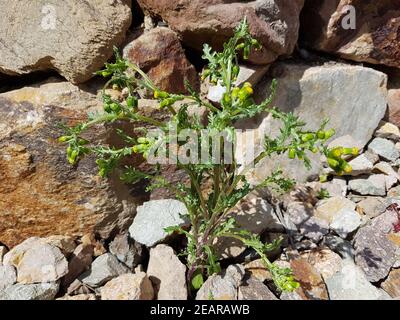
346, 222
374, 185
41, 291
375, 253
153, 217
384, 148
104, 268
350, 283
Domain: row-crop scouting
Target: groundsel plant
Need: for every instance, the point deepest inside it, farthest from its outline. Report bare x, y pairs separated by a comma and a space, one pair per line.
208, 207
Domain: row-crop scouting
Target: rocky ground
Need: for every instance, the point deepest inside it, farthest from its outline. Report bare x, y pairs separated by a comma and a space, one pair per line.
67, 234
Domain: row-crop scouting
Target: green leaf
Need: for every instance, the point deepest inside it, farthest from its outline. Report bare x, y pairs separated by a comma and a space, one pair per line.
197, 280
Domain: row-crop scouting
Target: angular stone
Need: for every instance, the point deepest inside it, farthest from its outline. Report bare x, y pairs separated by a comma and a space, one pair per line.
66, 244
325, 261
257, 270
254, 214
329, 209
79, 262
160, 55
37, 261
41, 291
374, 185
363, 164
388, 131
128, 287
222, 287
72, 37
346, 222
384, 148
41, 186
127, 251
253, 289
311, 283
372, 206
374, 29
375, 252
273, 23
104, 268
308, 92
387, 169
350, 283
167, 274
8, 276
153, 217
392, 284
337, 187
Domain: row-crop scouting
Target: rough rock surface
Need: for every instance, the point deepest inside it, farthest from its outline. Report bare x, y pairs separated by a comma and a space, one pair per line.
384, 148
330, 208
8, 276
392, 284
274, 23
325, 261
222, 286
159, 53
167, 274
127, 251
350, 283
374, 249
153, 217
374, 185
393, 114
315, 93
375, 38
104, 268
346, 222
128, 287
79, 262
253, 289
39, 291
73, 37
37, 184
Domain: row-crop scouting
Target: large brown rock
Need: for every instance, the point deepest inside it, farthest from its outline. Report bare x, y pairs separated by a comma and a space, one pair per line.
72, 37
40, 193
393, 113
159, 53
375, 39
275, 23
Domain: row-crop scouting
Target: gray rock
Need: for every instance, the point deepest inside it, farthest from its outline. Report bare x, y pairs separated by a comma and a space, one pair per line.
329, 209
384, 148
375, 252
374, 185
41, 291
253, 289
153, 217
104, 268
8, 276
346, 222
337, 187
362, 164
350, 283
127, 251
388, 130
310, 226
224, 286
167, 273
37, 261
314, 94
372, 206
73, 37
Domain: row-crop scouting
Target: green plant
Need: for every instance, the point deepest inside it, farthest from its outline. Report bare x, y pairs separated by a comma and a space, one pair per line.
208, 211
